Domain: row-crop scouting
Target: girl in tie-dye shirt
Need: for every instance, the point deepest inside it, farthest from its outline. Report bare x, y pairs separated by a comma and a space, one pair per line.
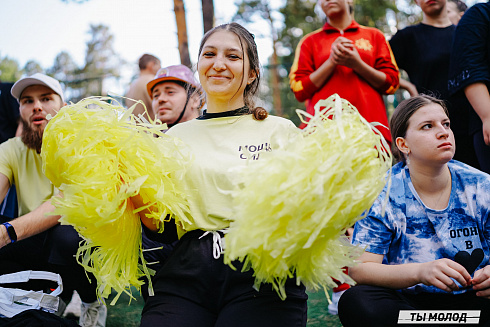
428, 249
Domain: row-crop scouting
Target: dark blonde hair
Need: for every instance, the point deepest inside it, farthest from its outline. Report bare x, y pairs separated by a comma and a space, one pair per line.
250, 47
402, 114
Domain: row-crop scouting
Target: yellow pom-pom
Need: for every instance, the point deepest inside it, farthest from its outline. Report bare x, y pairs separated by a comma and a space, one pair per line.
293, 207
99, 155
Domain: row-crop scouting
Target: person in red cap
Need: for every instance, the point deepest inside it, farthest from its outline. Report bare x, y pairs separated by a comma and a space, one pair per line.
176, 98
175, 95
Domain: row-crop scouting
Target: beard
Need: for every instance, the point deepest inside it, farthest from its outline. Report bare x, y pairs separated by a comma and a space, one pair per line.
31, 137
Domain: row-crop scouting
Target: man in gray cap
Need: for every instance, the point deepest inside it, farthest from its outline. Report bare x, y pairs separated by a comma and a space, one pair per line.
35, 240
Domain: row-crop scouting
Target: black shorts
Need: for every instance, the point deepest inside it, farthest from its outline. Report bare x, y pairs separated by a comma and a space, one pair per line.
366, 305
195, 289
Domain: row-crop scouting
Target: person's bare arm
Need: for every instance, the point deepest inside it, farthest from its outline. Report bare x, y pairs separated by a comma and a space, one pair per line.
479, 98
481, 282
30, 224
138, 202
437, 273
4, 186
323, 73
410, 87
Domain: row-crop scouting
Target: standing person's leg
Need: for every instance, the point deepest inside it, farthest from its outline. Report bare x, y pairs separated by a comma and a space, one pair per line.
482, 151
465, 150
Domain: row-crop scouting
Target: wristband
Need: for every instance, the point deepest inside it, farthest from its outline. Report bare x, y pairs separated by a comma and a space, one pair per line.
10, 232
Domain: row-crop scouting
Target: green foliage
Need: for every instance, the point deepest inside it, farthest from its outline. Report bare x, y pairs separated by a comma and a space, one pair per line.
249, 8
63, 67
373, 12
101, 62
32, 67
9, 70
300, 16
300, 19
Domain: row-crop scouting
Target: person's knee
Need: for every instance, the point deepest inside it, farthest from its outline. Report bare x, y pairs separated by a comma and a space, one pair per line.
355, 309
63, 243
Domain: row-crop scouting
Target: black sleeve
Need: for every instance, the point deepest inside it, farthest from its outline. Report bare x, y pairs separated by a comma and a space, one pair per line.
397, 43
168, 236
9, 112
470, 51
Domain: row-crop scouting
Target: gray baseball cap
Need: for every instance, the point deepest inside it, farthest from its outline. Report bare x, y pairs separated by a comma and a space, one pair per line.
36, 79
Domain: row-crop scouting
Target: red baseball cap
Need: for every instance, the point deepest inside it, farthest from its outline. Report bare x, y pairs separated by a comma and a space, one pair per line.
174, 73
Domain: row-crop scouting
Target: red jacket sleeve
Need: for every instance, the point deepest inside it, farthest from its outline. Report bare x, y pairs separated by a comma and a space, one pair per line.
385, 62
303, 66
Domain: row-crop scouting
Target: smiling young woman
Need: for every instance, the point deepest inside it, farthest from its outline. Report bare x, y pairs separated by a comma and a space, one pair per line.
195, 287
224, 71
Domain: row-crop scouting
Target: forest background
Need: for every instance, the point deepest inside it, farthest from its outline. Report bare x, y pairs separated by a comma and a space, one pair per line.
278, 26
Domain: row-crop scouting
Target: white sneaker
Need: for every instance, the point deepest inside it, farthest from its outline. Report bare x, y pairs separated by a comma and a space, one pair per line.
74, 307
93, 314
333, 308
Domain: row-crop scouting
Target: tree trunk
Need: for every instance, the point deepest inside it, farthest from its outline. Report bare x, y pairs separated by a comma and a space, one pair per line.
276, 86
276, 91
182, 33
207, 15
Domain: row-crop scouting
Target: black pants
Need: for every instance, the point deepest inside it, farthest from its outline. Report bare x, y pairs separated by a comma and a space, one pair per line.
194, 289
365, 305
53, 250
156, 253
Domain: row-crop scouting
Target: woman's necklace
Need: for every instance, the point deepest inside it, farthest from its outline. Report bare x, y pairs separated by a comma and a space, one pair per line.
426, 199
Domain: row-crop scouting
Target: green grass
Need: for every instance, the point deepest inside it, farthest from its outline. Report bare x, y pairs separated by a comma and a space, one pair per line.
318, 313
123, 314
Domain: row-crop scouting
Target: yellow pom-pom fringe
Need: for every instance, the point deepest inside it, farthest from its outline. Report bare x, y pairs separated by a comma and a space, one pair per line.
293, 207
99, 155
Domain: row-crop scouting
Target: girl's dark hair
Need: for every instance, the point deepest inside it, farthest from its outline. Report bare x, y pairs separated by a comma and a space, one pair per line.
250, 47
402, 114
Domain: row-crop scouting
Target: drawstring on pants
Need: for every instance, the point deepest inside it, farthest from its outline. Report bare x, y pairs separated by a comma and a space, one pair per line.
218, 243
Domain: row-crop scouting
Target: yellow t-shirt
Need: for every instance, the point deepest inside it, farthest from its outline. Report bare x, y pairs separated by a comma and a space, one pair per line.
218, 145
23, 167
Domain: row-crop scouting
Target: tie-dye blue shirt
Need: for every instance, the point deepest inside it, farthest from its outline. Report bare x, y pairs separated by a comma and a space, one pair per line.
411, 232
